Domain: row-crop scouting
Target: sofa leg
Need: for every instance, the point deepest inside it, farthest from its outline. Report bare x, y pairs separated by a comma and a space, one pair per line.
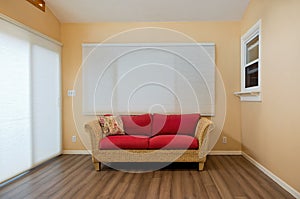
201, 166
97, 166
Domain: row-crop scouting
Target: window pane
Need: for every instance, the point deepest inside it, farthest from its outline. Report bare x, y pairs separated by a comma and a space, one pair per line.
251, 74
252, 50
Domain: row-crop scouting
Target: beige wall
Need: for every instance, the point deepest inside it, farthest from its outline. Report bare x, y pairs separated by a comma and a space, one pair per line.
269, 128
26, 13
226, 36
270, 131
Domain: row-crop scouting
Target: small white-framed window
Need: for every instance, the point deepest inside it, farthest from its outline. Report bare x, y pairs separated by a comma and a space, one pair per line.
251, 64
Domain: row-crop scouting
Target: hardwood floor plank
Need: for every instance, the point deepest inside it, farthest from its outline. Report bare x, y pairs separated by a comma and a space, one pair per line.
97, 185
247, 181
238, 179
199, 184
176, 185
34, 173
68, 183
209, 185
122, 186
102, 177
154, 188
228, 175
80, 184
37, 178
45, 184
109, 187
212, 192
188, 187
217, 178
267, 185
73, 176
133, 186
166, 182
145, 181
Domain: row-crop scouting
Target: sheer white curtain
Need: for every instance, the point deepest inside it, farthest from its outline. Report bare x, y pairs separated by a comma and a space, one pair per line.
30, 131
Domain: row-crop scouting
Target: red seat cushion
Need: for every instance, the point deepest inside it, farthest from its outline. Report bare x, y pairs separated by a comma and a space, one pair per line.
184, 124
173, 142
124, 142
137, 124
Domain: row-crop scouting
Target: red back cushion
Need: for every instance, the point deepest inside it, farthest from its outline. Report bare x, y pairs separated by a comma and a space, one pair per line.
137, 124
184, 124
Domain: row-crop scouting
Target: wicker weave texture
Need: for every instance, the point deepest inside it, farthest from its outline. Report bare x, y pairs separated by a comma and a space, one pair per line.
147, 156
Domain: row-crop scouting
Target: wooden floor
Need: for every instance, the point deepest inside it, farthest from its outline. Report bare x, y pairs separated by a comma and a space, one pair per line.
73, 176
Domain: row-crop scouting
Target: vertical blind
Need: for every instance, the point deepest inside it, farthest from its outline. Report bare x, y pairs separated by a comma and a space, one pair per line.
30, 128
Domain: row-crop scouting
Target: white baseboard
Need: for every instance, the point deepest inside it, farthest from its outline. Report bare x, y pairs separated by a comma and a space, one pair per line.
225, 153
271, 175
76, 152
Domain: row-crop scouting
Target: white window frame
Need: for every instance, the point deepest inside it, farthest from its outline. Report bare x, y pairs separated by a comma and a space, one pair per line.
250, 93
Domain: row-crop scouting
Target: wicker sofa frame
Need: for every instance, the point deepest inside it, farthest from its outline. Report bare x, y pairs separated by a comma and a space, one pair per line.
188, 155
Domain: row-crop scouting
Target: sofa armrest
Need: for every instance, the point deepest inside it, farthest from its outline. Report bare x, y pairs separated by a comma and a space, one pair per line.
201, 134
96, 134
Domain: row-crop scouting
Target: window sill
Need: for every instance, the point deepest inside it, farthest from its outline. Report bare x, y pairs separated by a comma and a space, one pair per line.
249, 96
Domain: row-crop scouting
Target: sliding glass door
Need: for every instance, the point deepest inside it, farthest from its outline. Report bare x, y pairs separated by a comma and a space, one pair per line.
30, 118
45, 99
15, 113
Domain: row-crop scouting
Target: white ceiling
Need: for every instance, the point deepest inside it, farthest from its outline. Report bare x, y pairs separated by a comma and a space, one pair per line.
81, 11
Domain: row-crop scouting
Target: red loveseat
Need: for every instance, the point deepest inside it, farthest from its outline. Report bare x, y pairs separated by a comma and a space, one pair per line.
152, 138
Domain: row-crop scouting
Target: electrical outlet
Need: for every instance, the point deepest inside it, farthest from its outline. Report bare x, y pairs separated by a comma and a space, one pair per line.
224, 140
74, 138
71, 93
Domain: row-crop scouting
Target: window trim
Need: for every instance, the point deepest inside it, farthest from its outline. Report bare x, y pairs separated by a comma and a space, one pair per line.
251, 93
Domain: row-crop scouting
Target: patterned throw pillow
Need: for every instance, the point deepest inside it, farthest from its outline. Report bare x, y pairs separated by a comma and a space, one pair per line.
111, 125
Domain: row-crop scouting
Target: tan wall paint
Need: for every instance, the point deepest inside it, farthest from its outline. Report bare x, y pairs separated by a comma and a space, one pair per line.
226, 36
26, 13
269, 129
270, 132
